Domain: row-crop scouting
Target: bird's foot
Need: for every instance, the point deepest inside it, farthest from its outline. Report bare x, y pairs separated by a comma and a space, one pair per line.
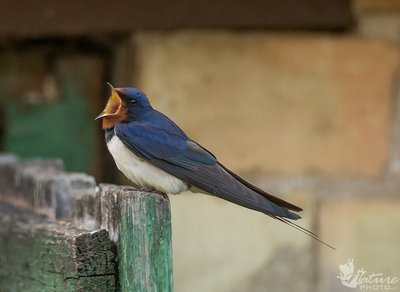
147, 190
151, 190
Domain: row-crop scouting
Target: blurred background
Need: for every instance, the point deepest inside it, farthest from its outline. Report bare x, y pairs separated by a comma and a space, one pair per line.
299, 97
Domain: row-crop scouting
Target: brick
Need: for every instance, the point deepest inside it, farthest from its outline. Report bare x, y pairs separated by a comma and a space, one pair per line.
366, 230
377, 6
219, 246
275, 104
380, 26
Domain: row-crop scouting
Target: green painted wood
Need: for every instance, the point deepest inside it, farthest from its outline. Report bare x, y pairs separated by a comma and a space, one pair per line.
37, 255
140, 223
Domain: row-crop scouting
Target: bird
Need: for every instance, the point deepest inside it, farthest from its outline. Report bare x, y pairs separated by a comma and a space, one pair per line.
155, 153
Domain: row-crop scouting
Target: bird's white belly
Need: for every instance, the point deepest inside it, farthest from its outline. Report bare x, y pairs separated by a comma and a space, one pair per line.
141, 172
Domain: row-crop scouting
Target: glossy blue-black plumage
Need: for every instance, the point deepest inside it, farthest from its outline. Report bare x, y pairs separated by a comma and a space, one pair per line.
158, 140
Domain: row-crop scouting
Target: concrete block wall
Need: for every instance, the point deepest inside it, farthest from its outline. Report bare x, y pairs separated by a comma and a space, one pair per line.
311, 117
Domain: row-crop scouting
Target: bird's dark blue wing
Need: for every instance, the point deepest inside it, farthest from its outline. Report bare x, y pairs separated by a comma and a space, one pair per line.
157, 144
190, 162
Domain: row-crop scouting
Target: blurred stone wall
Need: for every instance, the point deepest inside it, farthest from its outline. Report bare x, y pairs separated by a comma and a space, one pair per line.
310, 116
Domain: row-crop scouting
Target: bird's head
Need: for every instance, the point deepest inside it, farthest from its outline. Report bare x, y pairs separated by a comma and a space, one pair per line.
124, 105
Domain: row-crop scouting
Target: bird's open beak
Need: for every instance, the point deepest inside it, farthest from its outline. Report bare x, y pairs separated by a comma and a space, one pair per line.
113, 104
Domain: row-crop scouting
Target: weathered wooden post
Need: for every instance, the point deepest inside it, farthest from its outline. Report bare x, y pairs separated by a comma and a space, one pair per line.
102, 226
38, 253
140, 224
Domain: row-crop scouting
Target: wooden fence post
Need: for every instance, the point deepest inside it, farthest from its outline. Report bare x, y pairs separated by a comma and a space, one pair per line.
140, 224
100, 224
38, 255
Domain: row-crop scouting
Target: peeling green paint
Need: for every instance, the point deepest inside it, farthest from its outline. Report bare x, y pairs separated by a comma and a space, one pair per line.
145, 251
39, 256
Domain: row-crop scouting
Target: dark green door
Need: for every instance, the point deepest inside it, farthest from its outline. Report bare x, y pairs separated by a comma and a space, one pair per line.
56, 121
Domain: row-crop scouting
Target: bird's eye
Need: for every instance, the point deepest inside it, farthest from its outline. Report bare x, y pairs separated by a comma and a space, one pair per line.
132, 101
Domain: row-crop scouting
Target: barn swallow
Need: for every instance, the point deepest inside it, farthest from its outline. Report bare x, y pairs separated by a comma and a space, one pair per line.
153, 152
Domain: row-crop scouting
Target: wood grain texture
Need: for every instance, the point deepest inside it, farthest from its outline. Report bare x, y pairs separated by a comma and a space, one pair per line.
42, 186
31, 183
85, 201
140, 224
38, 255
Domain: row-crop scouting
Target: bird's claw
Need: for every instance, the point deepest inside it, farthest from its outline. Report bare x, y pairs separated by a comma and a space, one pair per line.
151, 190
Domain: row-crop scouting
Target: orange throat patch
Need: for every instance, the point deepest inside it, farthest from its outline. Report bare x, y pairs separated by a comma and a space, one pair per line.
112, 120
